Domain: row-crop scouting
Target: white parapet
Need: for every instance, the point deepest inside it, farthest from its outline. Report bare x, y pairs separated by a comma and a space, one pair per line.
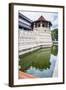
31, 40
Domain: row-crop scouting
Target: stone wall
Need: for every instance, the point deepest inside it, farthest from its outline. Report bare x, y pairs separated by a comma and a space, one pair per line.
30, 40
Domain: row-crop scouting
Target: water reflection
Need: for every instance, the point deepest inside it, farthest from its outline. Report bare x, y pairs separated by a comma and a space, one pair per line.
39, 63
54, 50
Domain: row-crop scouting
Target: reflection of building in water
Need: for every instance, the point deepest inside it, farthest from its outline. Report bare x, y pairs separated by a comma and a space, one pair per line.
40, 59
33, 34
39, 63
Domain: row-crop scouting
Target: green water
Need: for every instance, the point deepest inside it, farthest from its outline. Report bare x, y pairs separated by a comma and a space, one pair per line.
39, 63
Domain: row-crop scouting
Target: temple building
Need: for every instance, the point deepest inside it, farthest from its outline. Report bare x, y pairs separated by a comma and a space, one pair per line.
33, 34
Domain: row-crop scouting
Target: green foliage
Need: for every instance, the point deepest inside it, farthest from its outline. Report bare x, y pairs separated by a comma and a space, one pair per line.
54, 34
54, 50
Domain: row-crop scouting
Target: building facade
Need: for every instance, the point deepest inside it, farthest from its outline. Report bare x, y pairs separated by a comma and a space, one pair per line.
33, 34
24, 22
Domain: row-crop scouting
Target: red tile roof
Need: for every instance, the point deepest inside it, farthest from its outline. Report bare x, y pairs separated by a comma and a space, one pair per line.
41, 18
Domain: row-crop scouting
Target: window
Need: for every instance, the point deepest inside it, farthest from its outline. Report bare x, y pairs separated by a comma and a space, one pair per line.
38, 25
42, 25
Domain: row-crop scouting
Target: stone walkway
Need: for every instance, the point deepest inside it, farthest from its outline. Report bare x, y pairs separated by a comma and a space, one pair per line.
23, 75
55, 74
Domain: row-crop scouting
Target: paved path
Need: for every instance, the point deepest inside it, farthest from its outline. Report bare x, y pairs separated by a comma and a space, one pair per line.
55, 74
23, 75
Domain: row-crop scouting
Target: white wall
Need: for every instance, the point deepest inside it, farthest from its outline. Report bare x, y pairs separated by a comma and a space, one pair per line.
4, 44
29, 39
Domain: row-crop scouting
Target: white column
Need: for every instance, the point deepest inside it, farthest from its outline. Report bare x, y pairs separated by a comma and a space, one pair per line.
34, 25
40, 24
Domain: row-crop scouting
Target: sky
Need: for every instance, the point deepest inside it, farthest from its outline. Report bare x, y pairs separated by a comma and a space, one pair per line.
50, 16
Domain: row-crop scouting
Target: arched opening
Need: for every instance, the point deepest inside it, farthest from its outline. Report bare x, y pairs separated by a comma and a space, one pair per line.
42, 25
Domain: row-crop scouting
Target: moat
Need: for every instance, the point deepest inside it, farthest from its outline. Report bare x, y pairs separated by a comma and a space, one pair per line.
39, 63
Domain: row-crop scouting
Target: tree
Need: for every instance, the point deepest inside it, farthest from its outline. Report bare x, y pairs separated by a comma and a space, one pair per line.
54, 34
